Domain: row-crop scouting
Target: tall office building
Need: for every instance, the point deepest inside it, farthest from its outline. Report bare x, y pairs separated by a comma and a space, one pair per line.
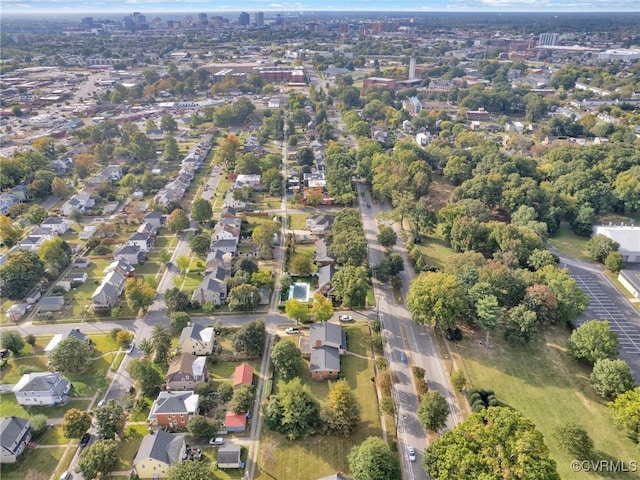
203, 19
549, 39
244, 19
259, 19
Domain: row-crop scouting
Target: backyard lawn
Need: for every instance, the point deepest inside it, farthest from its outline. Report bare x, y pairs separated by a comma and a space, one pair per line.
549, 388
33, 463
128, 448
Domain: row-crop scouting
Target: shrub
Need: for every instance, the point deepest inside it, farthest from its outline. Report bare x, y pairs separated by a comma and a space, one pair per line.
454, 335
477, 408
381, 363
387, 405
494, 402
114, 332
458, 380
474, 397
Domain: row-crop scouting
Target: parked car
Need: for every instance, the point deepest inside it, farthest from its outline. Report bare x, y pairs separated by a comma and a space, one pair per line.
292, 330
412, 454
84, 441
216, 441
346, 318
102, 403
66, 476
129, 348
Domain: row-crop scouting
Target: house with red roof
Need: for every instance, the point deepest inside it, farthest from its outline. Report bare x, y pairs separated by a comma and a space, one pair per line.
243, 375
235, 422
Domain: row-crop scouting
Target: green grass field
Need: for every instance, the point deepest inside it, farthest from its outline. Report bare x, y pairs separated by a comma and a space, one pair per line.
34, 463
435, 251
549, 388
297, 221
129, 446
323, 455
569, 244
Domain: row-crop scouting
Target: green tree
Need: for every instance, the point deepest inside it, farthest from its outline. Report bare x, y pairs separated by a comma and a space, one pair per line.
494, 443
625, 410
243, 298
458, 380
177, 221
286, 359
294, 411
168, 123
297, 310
321, 308
611, 377
202, 427
487, 313
161, 341
574, 440
250, 339
627, 188
110, 420
39, 425
593, 341
99, 458
171, 149
350, 285
349, 247
179, 320
191, 471
387, 237
227, 151
341, 411
599, 246
373, 460
201, 210
147, 374
199, 244
139, 294
433, 411
263, 236
124, 337
75, 423
437, 299
37, 214
301, 265
571, 299
225, 392
12, 341
176, 300
71, 355
183, 263
614, 262
55, 252
21, 271
242, 399
10, 233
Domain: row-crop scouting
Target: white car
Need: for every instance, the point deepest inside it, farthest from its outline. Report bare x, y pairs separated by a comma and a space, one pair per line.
292, 330
129, 348
102, 403
216, 441
412, 454
346, 318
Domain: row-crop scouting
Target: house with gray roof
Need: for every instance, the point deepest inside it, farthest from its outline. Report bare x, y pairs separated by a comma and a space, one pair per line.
327, 341
186, 371
154, 218
132, 253
174, 409
56, 224
42, 389
107, 293
229, 456
196, 339
15, 433
74, 332
213, 288
53, 303
226, 246
157, 452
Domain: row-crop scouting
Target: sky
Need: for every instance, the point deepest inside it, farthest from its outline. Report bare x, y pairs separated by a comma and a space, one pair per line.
210, 6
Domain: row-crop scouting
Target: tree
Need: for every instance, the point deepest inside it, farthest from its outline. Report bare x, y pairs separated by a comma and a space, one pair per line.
243, 298
614, 262
487, 313
110, 420
250, 339
245, 264
99, 458
227, 151
71, 355
225, 392
495, 443
55, 252
351, 284
321, 308
10, 233
625, 410
627, 188
12, 341
183, 263
263, 236
286, 359
373, 460
458, 380
147, 374
191, 470
20, 273
574, 439
593, 341
201, 210
242, 399
201, 427
340, 412
168, 123
179, 320
297, 310
610, 377
171, 149
387, 237
177, 221
599, 246
39, 424
349, 247
571, 299
301, 265
161, 341
433, 411
176, 300
437, 299
59, 188
294, 411
124, 337
139, 294
75, 423
200, 244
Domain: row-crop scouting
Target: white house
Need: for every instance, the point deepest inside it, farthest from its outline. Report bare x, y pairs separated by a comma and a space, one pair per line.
56, 224
42, 389
15, 433
81, 201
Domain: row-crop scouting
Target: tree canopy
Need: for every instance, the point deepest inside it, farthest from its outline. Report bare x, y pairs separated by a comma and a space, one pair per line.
286, 359
75, 423
71, 355
373, 460
250, 339
592, 341
20, 273
294, 411
99, 458
110, 420
437, 299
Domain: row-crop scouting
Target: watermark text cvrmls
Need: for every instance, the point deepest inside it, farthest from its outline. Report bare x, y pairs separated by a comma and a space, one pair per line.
604, 466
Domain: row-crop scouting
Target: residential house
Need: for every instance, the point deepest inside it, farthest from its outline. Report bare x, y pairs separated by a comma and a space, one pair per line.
53, 303
481, 115
107, 293
174, 409
322, 258
149, 229
42, 389
252, 144
81, 262
234, 222
251, 180
243, 375
231, 201
33, 296
229, 456
7, 200
56, 224
413, 106
88, 232
225, 232
423, 138
319, 223
327, 342
72, 279
186, 371
213, 288
144, 241
81, 201
131, 253
32, 243
197, 339
218, 258
16, 311
235, 422
15, 433
154, 218
228, 212
157, 452
44, 232
325, 279
121, 265
226, 246
74, 332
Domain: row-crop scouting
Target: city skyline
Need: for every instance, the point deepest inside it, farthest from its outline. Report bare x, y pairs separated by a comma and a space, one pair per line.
163, 6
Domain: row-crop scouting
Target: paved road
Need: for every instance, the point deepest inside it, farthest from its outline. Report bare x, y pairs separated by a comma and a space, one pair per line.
406, 344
